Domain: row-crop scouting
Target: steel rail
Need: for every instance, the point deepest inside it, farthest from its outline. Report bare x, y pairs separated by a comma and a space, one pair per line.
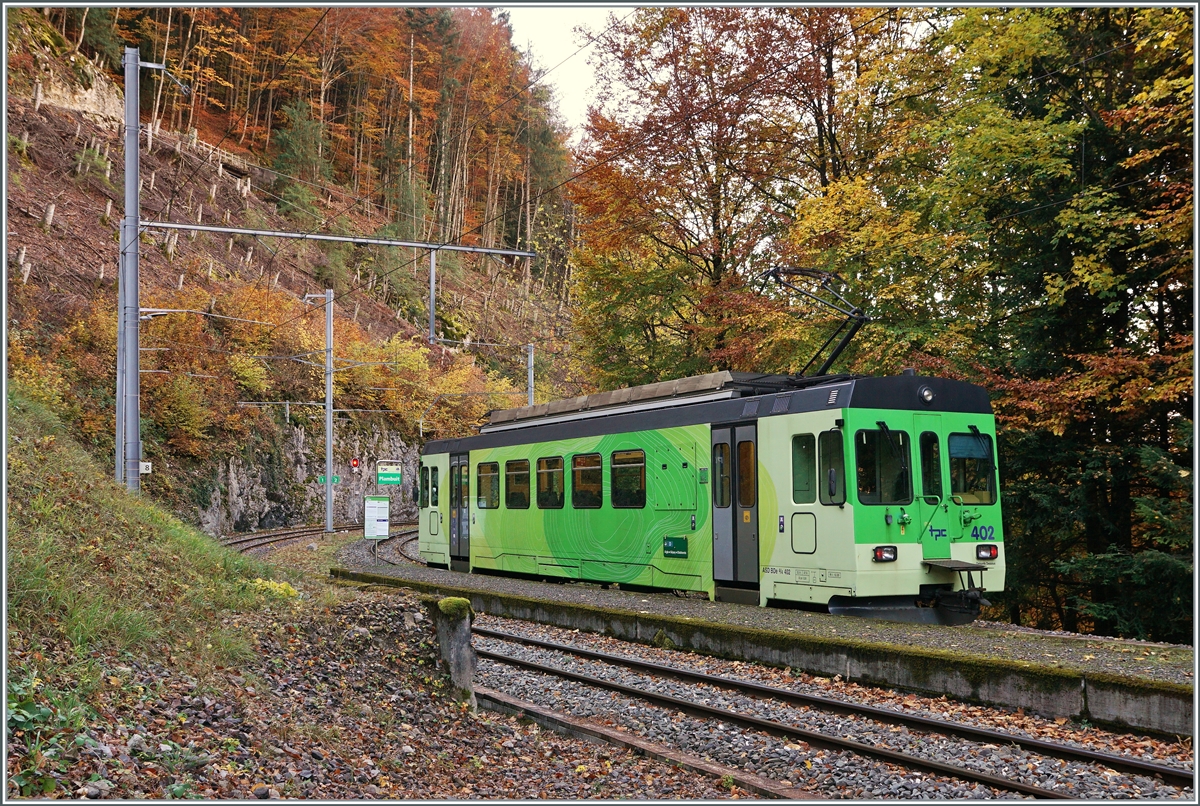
787, 731
1173, 775
267, 538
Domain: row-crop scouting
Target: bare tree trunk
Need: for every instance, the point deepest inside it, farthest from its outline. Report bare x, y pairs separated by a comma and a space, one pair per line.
161, 82
270, 115
411, 40
527, 202
82, 28
249, 81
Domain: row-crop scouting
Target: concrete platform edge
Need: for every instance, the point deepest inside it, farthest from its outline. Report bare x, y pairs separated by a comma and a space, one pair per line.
1116, 702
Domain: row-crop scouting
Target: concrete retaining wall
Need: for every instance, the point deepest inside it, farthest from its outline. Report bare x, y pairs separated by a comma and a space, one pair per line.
1118, 702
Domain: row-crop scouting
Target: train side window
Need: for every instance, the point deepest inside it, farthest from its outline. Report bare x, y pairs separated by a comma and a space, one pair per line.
516, 484
972, 470
804, 469
884, 476
587, 479
464, 482
455, 488
550, 483
424, 487
832, 469
488, 490
433, 487
745, 473
629, 479
931, 465
721, 486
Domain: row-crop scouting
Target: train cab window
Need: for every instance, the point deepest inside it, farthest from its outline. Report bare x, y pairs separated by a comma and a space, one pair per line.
550, 483
884, 476
433, 486
424, 487
972, 470
516, 484
587, 479
804, 469
487, 491
931, 466
629, 479
832, 469
745, 474
722, 489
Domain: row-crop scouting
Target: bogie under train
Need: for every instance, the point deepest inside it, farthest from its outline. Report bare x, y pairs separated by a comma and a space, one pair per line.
869, 496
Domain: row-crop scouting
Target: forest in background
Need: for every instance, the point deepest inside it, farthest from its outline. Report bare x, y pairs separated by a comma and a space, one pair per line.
1008, 194
431, 116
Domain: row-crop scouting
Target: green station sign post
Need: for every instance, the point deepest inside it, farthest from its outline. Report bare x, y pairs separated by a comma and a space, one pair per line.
388, 473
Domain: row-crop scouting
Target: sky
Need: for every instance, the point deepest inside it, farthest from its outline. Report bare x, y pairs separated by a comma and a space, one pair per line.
547, 31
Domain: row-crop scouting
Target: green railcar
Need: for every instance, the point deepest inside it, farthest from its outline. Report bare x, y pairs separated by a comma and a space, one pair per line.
866, 496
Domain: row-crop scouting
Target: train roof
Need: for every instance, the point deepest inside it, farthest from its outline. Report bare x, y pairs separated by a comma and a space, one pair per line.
718, 397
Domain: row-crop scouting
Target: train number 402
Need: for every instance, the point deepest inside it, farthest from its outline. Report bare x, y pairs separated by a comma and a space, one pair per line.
983, 533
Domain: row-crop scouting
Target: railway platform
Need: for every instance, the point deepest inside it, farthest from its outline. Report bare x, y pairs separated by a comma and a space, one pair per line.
1122, 684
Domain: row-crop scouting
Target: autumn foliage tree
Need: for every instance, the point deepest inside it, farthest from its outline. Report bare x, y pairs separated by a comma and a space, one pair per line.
1009, 193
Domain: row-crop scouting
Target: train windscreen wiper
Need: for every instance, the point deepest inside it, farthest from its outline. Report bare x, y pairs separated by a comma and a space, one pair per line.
985, 445
897, 449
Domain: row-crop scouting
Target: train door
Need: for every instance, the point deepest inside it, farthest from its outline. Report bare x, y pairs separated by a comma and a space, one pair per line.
933, 505
460, 516
735, 512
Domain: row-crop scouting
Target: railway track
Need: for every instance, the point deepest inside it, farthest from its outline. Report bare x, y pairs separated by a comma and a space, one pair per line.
787, 707
407, 536
256, 540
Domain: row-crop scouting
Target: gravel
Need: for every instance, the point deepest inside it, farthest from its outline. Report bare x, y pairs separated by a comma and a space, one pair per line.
1088, 654
830, 773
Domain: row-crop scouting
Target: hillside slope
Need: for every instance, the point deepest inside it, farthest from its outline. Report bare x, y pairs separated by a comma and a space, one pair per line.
64, 208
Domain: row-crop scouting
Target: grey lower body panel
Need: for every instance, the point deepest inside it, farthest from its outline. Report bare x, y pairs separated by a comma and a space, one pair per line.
948, 611
737, 595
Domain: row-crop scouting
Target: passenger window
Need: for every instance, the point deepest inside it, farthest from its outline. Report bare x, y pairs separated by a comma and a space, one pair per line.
464, 485
629, 479
931, 466
971, 468
424, 487
884, 476
831, 483
804, 469
516, 481
455, 487
745, 473
550, 483
488, 491
433, 487
587, 478
721, 486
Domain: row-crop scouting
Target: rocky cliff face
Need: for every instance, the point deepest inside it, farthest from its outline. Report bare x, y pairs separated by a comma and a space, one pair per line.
261, 490
87, 90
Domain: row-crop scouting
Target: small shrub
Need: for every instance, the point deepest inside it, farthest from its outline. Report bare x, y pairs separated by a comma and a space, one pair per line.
277, 590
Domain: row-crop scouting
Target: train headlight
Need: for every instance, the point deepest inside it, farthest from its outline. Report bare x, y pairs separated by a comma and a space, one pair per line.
988, 552
926, 395
885, 554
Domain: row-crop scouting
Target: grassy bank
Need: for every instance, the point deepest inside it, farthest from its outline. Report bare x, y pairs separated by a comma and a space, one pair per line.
97, 578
